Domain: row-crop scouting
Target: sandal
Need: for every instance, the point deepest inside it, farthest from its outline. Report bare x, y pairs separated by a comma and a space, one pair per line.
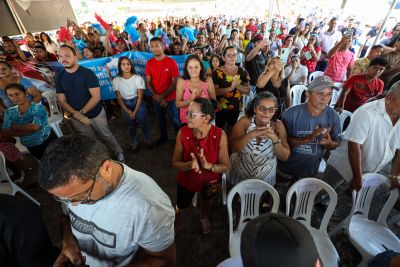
205, 226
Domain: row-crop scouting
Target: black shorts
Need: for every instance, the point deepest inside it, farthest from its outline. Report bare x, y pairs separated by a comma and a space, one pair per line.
226, 117
184, 197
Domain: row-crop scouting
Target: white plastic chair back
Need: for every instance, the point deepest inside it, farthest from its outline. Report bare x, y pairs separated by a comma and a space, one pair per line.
314, 75
371, 181
6, 185
336, 94
245, 101
56, 115
296, 92
306, 190
342, 117
250, 192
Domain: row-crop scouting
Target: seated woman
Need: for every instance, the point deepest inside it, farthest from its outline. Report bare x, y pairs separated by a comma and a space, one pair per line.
129, 89
272, 80
28, 120
258, 140
7, 76
193, 83
200, 156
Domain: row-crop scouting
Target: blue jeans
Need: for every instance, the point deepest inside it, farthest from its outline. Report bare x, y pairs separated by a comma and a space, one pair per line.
141, 117
173, 114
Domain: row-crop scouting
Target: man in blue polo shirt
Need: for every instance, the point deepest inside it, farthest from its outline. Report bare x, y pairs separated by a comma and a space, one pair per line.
78, 92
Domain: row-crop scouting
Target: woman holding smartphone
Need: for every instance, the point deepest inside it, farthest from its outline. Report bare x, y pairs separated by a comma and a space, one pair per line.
258, 140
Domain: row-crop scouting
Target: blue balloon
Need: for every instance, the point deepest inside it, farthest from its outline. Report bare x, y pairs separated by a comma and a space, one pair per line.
130, 29
188, 33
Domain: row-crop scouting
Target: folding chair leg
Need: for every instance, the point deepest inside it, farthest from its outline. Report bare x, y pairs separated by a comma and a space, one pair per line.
224, 189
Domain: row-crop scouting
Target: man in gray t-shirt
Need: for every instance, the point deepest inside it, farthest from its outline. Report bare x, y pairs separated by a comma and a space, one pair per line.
114, 216
312, 127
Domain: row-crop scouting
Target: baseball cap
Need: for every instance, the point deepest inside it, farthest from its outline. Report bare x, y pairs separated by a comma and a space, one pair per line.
257, 37
277, 240
320, 83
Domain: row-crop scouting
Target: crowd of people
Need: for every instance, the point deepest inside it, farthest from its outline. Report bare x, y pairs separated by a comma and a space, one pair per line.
231, 109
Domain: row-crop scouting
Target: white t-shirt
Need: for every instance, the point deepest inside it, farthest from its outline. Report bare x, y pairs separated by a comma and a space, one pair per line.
328, 41
298, 73
128, 87
372, 128
137, 213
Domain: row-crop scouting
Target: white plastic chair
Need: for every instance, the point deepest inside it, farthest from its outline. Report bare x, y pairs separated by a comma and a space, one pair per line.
314, 75
56, 115
342, 117
296, 92
372, 237
245, 101
6, 185
336, 94
250, 192
306, 190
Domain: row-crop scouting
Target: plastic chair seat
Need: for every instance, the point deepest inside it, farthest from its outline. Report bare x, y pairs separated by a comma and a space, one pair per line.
326, 249
371, 237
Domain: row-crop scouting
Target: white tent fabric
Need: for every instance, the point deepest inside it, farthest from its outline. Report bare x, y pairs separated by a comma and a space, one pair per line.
34, 15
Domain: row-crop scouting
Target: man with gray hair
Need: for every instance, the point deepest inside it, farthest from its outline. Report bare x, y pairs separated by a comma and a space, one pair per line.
370, 142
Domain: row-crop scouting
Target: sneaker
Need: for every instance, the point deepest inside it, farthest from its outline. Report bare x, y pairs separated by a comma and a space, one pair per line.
135, 148
121, 158
161, 141
149, 144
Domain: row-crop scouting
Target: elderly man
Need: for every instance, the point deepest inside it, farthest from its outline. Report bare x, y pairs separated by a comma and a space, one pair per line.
371, 141
312, 127
114, 216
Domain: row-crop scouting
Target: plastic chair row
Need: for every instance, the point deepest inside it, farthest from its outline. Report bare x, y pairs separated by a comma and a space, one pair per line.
305, 190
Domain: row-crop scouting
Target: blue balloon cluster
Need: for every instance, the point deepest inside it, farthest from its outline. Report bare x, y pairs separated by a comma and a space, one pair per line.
164, 37
130, 29
188, 33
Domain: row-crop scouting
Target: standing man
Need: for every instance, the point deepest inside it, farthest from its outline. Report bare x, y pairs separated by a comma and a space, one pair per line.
161, 76
312, 127
328, 39
78, 92
256, 59
114, 216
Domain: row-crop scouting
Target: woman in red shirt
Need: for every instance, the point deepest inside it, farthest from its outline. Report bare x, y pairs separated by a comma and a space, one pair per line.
310, 53
200, 156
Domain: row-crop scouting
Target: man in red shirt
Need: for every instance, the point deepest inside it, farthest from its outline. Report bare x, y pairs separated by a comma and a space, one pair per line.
161, 76
359, 88
251, 26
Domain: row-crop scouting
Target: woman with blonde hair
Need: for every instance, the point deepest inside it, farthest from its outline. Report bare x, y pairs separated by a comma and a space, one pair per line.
272, 80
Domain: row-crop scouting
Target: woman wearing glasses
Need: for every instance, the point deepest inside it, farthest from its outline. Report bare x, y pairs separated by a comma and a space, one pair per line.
193, 83
200, 156
258, 141
230, 83
310, 53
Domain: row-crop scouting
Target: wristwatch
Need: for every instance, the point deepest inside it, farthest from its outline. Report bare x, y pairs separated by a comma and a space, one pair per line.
277, 142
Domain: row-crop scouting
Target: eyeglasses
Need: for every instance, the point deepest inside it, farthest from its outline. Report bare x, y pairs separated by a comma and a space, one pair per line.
191, 115
263, 109
231, 55
82, 198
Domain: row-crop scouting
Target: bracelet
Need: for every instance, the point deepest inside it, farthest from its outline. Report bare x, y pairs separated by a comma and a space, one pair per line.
397, 177
277, 142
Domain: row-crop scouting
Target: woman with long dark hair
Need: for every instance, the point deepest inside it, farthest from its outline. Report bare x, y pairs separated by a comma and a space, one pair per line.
259, 141
50, 45
129, 88
194, 83
200, 156
311, 53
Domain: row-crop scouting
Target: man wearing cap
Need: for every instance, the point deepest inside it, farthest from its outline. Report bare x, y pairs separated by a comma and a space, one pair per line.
370, 142
312, 127
256, 59
40, 53
275, 240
